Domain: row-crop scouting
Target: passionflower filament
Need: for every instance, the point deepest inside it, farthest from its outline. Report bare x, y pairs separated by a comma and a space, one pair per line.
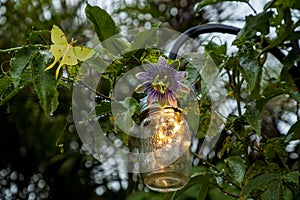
161, 82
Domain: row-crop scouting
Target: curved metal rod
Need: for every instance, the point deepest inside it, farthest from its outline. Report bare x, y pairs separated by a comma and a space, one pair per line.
198, 30
221, 28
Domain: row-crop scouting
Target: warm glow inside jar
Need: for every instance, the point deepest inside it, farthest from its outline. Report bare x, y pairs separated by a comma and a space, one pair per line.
165, 161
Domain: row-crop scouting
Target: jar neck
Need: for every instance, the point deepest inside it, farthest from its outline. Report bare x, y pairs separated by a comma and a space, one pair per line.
146, 111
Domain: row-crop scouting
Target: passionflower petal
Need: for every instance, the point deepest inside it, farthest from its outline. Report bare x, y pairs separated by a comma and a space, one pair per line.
161, 82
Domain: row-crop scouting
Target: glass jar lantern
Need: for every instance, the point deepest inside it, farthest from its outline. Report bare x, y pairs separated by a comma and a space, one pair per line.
165, 161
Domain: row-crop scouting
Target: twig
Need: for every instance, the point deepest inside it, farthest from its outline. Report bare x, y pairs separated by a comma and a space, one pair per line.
269, 5
89, 88
252, 8
58, 143
224, 176
283, 162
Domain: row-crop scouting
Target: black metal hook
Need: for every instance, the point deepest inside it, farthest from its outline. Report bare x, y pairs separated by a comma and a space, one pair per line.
198, 30
222, 28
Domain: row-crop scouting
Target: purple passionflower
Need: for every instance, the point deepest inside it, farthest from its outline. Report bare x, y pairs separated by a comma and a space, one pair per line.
161, 82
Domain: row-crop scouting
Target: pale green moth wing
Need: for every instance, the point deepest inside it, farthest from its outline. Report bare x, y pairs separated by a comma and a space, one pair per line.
69, 58
82, 53
60, 45
58, 36
57, 51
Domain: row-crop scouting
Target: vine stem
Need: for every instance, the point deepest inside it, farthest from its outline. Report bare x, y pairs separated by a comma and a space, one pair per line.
238, 95
236, 88
224, 176
18, 48
298, 116
10, 49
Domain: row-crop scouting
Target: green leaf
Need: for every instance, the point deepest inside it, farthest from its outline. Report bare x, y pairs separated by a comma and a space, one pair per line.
146, 38
253, 116
216, 51
236, 167
36, 34
150, 55
44, 83
68, 165
294, 132
287, 194
202, 65
141, 195
273, 191
227, 146
257, 183
215, 193
105, 26
5, 84
102, 110
19, 62
258, 168
205, 118
211, 2
280, 87
203, 192
96, 63
7, 89
273, 89
123, 112
254, 24
121, 45
284, 4
196, 188
292, 177
274, 147
193, 74
198, 171
250, 70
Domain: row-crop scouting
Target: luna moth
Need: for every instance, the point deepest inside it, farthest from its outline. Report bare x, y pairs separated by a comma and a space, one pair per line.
62, 49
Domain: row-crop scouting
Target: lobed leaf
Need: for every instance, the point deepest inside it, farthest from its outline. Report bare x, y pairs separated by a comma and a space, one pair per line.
292, 177
257, 183
123, 112
254, 24
7, 91
19, 62
5, 84
45, 85
273, 191
237, 168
